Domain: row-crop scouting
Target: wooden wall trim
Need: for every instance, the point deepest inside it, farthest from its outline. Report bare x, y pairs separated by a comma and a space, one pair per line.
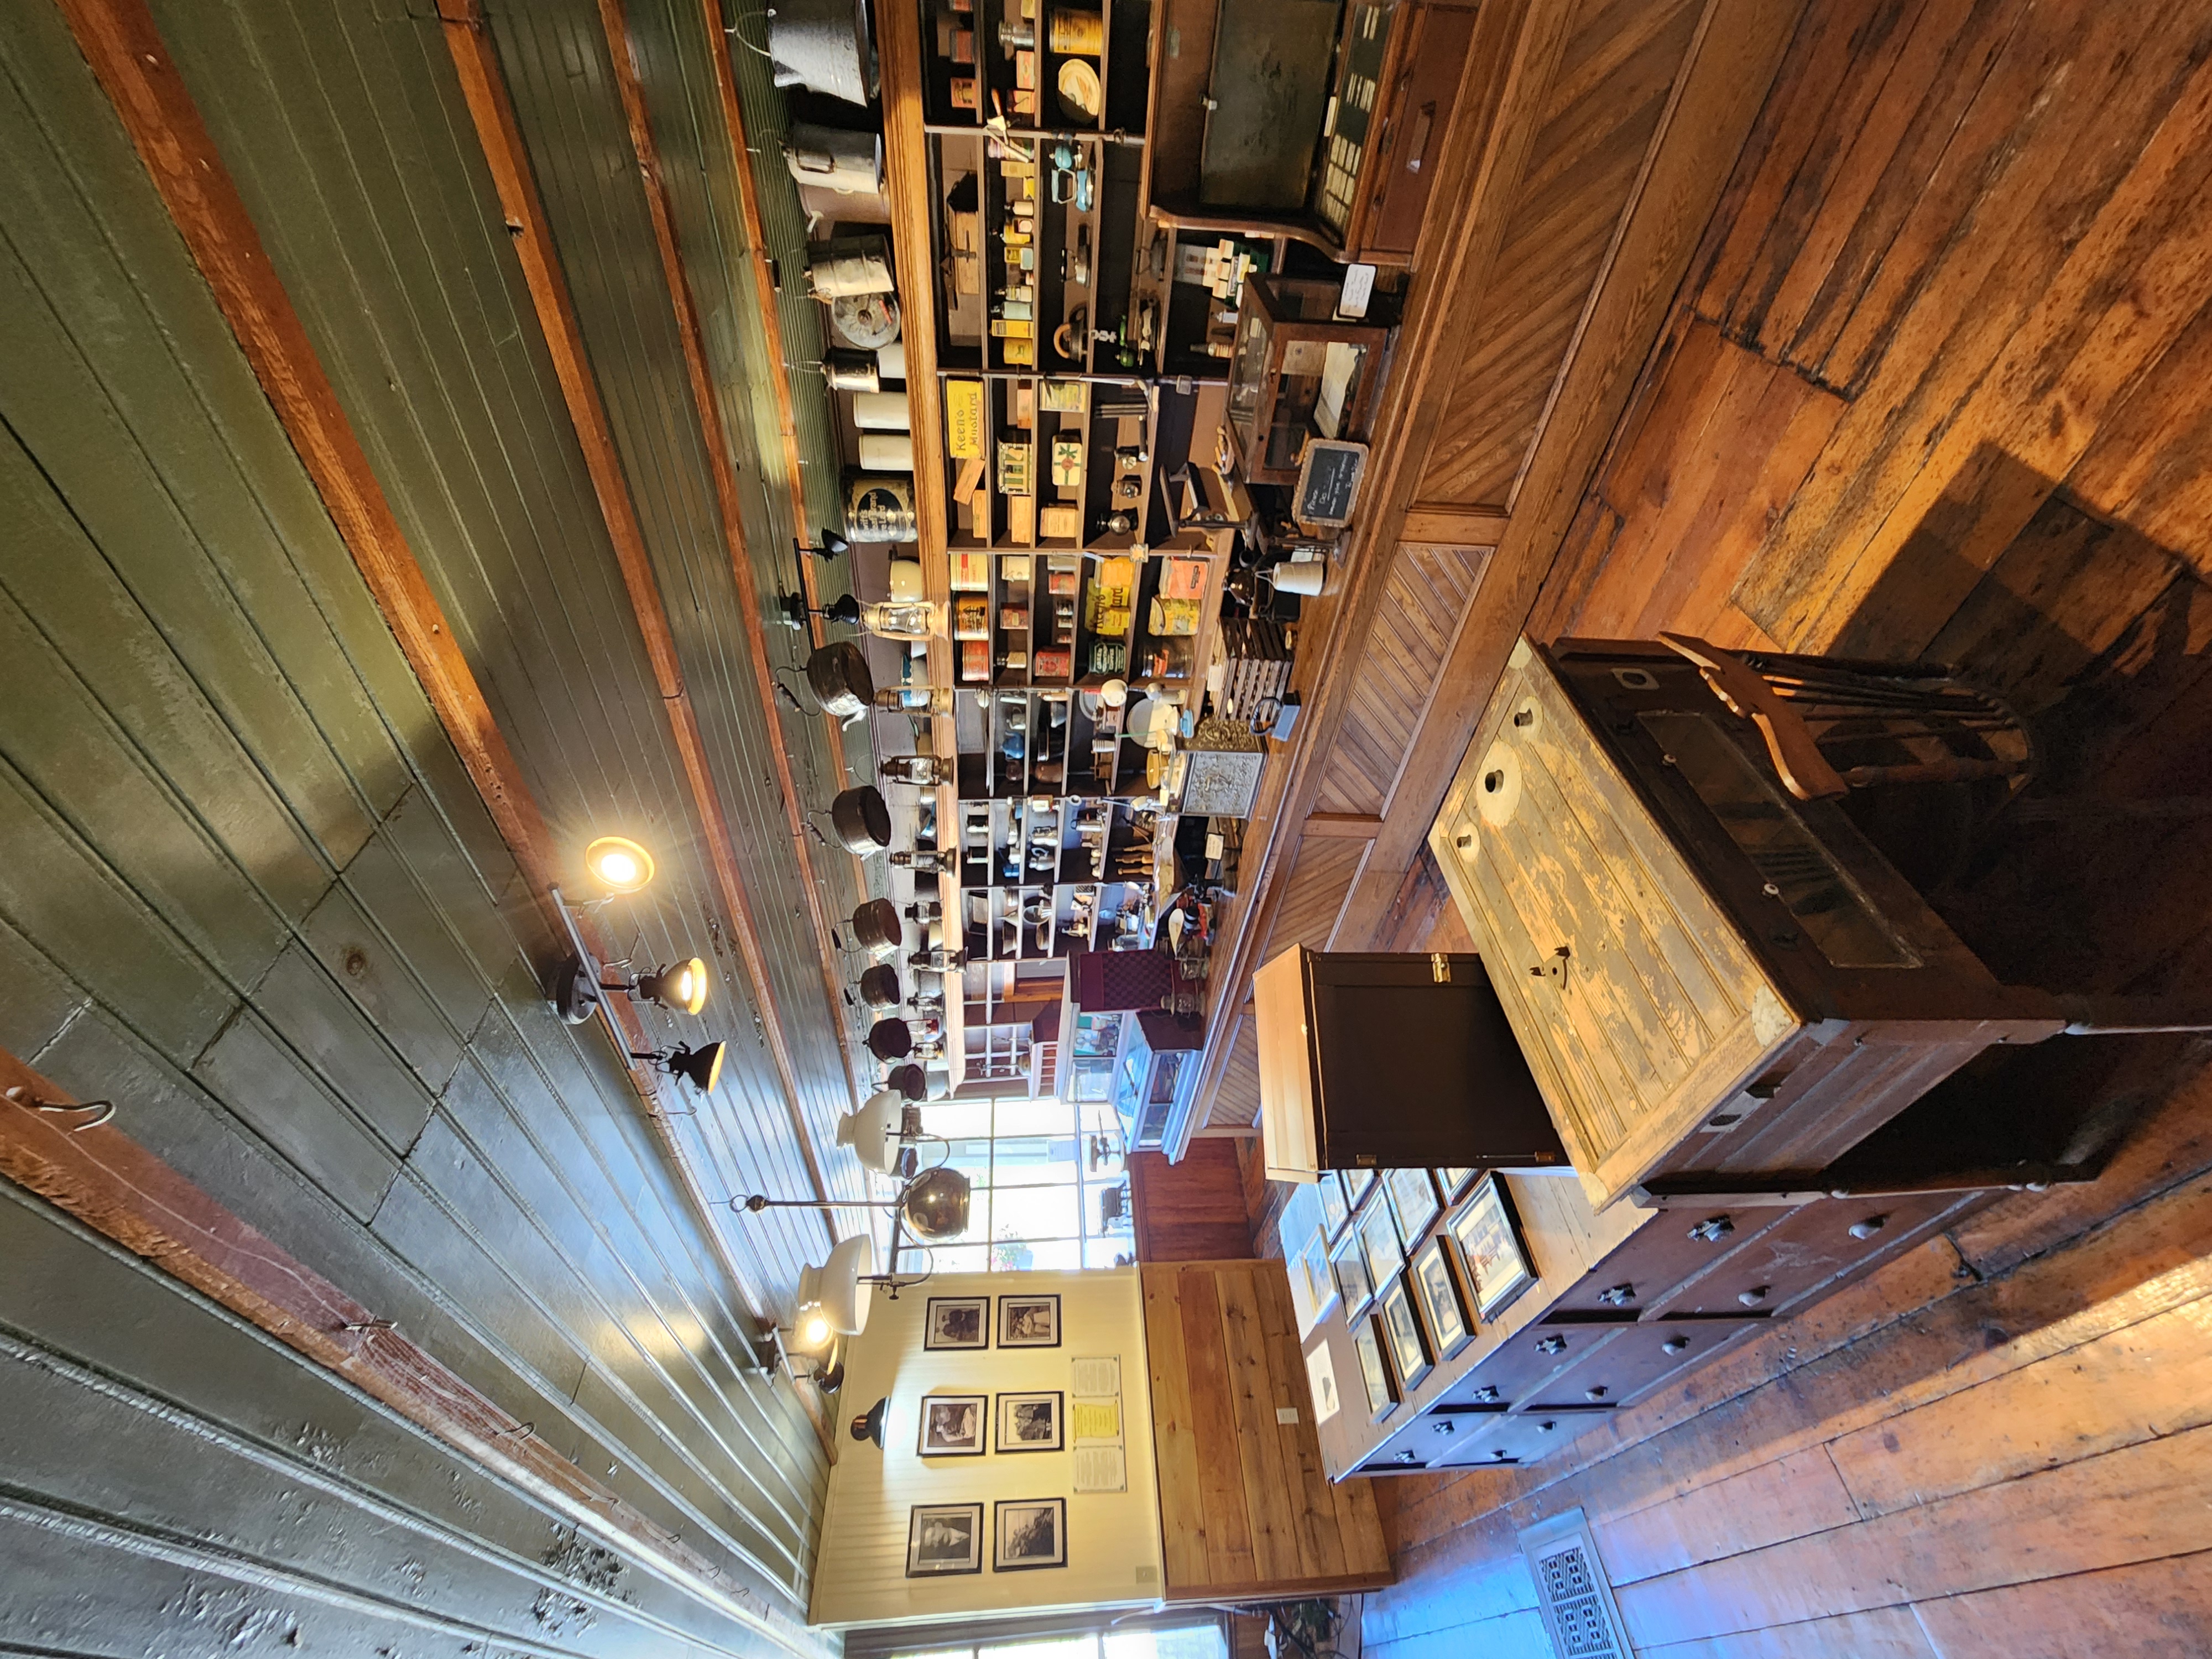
715, 441
107, 1181
1348, 826
1452, 526
484, 89
1731, 62
132, 64
901, 51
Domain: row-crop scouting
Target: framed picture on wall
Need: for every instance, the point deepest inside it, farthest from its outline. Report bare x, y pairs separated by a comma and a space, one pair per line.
1442, 1305
1030, 1422
1453, 1182
1334, 1209
944, 1537
1031, 1531
953, 1424
1378, 1236
1489, 1237
1409, 1343
1413, 1196
957, 1321
1028, 1322
1357, 1183
1374, 1370
1349, 1268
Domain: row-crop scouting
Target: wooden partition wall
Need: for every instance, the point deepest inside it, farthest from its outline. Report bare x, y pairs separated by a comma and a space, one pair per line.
1246, 1512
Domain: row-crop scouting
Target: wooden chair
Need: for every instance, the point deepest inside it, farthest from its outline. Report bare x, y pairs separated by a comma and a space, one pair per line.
1834, 723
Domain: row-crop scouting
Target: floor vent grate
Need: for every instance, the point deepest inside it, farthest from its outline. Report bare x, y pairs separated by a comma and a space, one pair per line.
1572, 1589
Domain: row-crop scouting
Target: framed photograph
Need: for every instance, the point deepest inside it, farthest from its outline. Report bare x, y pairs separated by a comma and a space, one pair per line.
1335, 1210
1313, 1284
1488, 1234
942, 1537
1348, 1267
1413, 1196
1442, 1307
1028, 1322
1374, 1370
1454, 1182
1031, 1532
953, 1424
1378, 1238
957, 1321
1357, 1183
1321, 1380
1401, 1328
1031, 1422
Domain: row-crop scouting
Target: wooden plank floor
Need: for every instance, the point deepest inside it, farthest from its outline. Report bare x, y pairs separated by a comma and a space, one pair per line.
2002, 1443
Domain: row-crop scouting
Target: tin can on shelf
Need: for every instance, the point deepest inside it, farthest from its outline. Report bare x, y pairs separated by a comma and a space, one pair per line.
1075, 33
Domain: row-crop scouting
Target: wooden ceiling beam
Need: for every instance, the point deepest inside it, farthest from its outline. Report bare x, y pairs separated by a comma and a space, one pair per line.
715, 440
129, 59
95, 1173
483, 88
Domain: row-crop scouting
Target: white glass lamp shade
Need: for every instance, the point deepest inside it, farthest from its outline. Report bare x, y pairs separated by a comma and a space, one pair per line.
872, 1132
834, 1292
906, 582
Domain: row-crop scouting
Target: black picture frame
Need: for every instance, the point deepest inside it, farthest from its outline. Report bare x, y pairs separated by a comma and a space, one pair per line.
942, 1555
1487, 1231
1373, 1369
1018, 1323
1413, 1200
1347, 1265
1446, 1306
945, 1320
1400, 1316
940, 1412
1025, 1413
1034, 1549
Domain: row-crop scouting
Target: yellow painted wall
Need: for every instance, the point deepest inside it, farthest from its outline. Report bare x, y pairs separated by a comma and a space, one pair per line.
1114, 1553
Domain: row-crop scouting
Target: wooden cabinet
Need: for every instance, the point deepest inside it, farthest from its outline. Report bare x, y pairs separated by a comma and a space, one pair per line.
1710, 979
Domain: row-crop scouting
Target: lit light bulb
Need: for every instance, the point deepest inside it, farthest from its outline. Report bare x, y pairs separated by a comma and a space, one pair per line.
814, 1331
617, 864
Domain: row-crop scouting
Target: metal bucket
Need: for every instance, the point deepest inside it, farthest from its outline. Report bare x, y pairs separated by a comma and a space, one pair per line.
880, 987
877, 926
888, 1039
837, 674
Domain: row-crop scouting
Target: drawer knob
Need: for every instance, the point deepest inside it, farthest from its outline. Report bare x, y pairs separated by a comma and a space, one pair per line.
1546, 1426
1552, 1345
1617, 1296
1753, 1296
1487, 1395
1870, 1227
1406, 1456
1712, 1230
1596, 1391
1674, 1345
1499, 1452
1446, 1427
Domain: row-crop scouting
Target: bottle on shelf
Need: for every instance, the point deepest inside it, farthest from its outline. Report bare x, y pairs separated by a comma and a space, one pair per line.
915, 699
924, 860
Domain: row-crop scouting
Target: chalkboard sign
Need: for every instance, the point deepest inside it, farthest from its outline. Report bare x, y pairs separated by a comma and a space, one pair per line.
1328, 483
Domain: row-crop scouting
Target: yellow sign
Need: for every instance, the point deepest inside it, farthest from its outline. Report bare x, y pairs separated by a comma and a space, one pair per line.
963, 419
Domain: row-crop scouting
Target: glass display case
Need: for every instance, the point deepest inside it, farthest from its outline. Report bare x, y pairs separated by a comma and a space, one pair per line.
1155, 1078
1299, 374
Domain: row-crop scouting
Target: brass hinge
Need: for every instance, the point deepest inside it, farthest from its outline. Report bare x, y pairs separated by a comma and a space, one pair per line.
1439, 967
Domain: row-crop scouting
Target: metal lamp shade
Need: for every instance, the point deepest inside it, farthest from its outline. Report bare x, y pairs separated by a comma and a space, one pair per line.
880, 987
862, 819
935, 1204
888, 1039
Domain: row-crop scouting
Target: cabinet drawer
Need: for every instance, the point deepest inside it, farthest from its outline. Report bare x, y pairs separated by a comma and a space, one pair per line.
1521, 1362
1636, 1359
1423, 1443
1811, 1247
1674, 1246
1515, 1437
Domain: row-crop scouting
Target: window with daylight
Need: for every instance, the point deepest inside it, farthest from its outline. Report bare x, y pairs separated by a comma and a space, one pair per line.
1197, 1640
1050, 1190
